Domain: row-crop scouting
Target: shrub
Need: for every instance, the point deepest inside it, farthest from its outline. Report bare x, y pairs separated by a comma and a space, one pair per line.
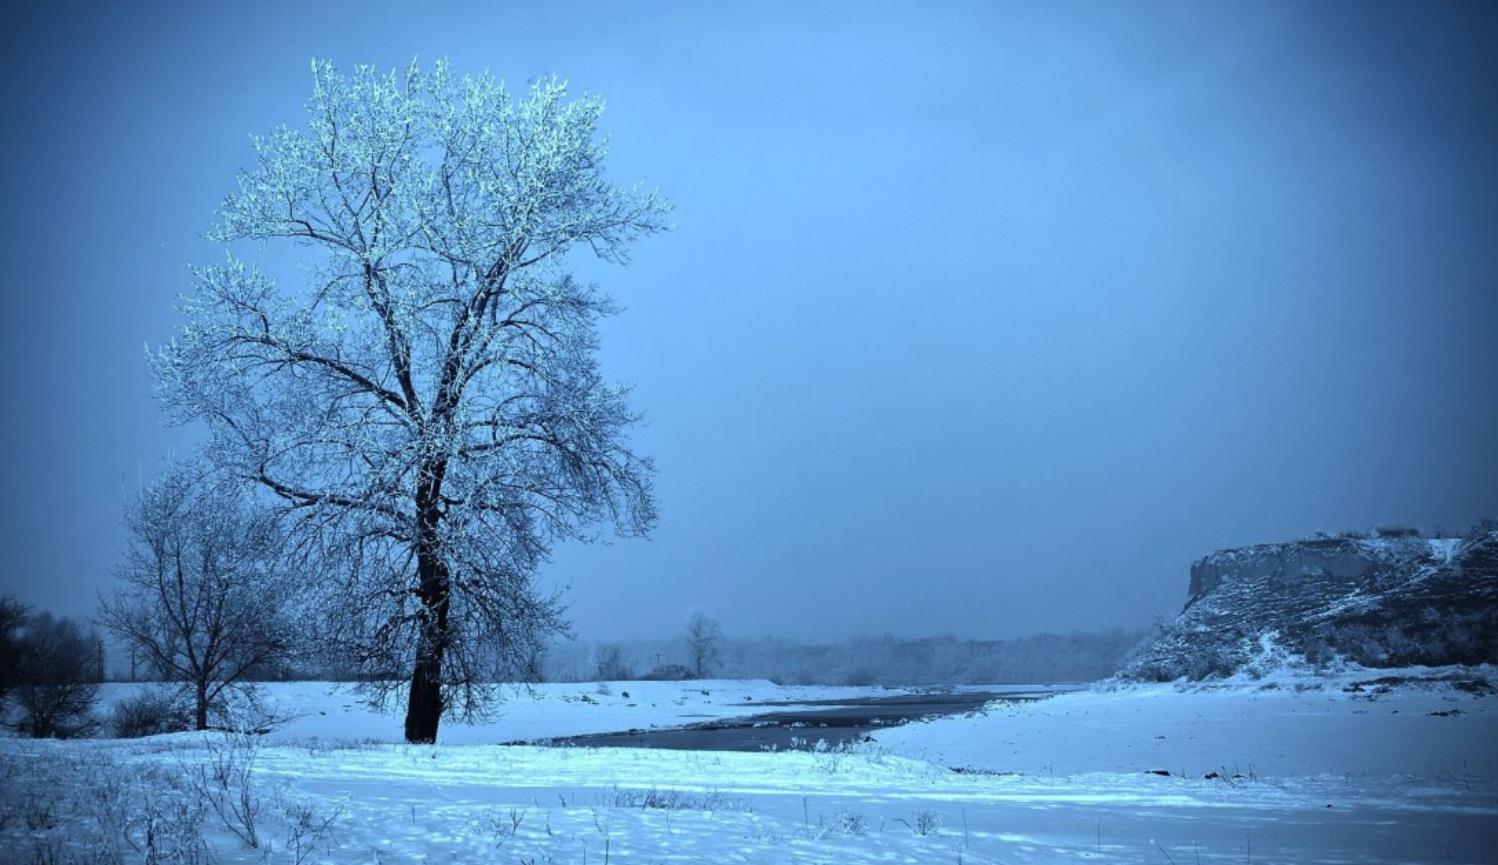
150, 712
672, 800
131, 814
845, 823
926, 823
225, 781
668, 673
55, 674
13, 615
1397, 532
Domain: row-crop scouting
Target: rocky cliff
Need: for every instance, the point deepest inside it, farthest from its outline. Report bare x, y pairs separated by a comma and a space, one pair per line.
1378, 601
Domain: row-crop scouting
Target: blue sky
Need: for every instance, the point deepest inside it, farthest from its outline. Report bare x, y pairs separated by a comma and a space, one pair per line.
980, 318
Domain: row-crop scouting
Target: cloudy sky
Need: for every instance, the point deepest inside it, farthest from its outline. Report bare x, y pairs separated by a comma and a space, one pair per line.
980, 318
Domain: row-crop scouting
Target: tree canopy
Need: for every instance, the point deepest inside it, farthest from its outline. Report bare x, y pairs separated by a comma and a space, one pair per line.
428, 406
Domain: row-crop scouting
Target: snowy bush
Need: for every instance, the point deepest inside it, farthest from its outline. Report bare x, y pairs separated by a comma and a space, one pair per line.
225, 782
96, 809
672, 800
56, 679
307, 829
924, 823
845, 823
150, 712
99, 807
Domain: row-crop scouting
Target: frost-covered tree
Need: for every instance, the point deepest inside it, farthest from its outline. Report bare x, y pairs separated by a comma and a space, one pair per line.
204, 588
428, 405
704, 641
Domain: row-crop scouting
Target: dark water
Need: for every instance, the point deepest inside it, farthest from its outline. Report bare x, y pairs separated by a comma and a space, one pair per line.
832, 721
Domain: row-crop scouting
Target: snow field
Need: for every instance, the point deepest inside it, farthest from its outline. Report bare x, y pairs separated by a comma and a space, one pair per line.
334, 712
1276, 728
1323, 776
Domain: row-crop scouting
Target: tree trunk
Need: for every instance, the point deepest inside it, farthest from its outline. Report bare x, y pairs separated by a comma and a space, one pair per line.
201, 719
424, 706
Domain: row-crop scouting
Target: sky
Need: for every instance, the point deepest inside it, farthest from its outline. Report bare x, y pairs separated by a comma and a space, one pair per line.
981, 319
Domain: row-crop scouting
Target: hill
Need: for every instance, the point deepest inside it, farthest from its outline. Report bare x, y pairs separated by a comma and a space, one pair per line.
1378, 600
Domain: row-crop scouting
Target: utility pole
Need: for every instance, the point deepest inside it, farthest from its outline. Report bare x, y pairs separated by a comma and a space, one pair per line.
98, 654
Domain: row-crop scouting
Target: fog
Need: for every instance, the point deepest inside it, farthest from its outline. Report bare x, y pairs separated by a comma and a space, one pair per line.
983, 321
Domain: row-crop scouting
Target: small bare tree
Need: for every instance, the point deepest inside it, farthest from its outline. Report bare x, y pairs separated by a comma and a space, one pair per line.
55, 684
704, 637
610, 665
203, 586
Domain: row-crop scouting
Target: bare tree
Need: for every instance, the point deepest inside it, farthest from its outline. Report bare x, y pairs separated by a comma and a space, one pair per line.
55, 685
609, 665
429, 406
704, 640
204, 586
13, 615
533, 665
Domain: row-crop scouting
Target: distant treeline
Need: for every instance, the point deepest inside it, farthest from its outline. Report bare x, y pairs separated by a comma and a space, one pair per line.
1041, 658
883, 660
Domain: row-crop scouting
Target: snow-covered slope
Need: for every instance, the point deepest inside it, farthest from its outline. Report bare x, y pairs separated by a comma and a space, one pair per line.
1415, 723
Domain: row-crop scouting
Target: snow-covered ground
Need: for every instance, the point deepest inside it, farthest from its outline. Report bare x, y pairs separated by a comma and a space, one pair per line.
1324, 775
336, 713
1270, 728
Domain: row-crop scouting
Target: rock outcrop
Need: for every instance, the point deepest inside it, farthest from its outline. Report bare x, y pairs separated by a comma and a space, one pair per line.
1378, 601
